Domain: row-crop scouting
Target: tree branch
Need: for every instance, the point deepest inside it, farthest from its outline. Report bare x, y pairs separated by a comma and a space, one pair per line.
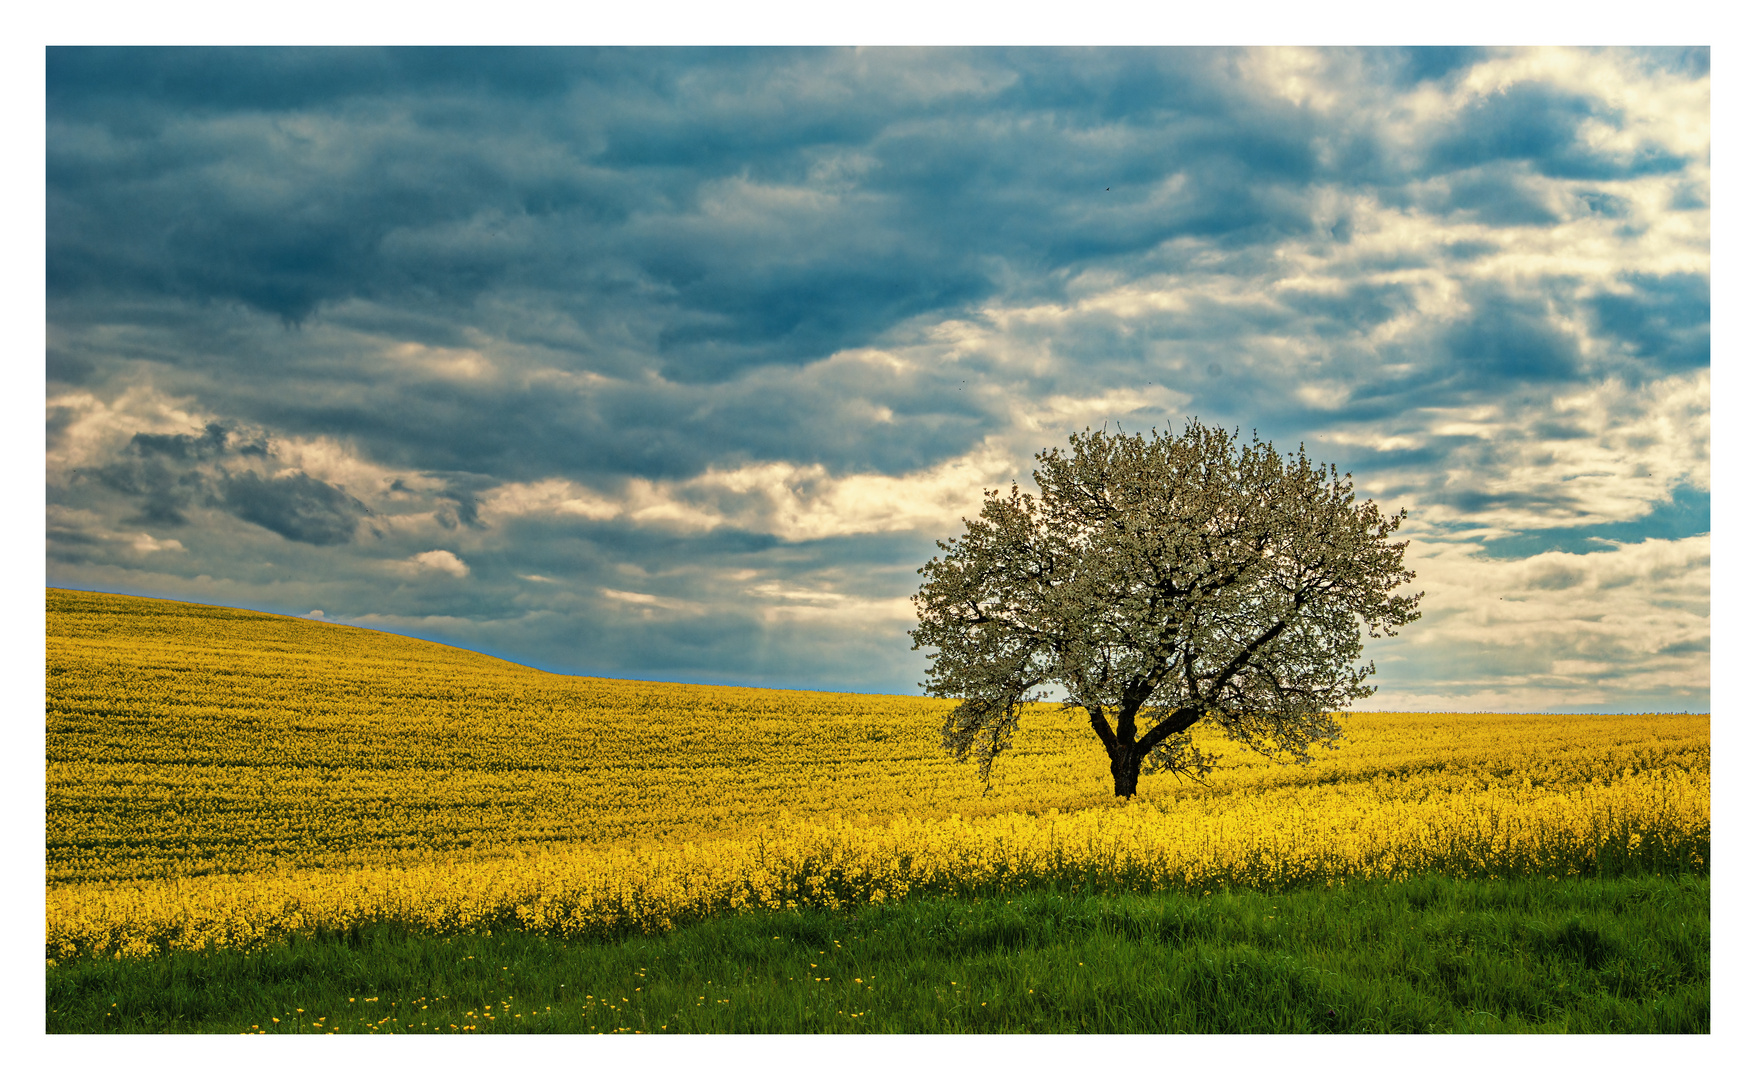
1181, 720
1242, 658
1102, 727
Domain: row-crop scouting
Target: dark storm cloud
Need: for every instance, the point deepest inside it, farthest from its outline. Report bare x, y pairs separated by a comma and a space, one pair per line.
289, 180
274, 79
1541, 125
462, 493
327, 177
1498, 195
211, 443
1663, 320
159, 469
624, 191
1506, 337
1358, 309
170, 472
298, 507
63, 367
503, 432
1433, 62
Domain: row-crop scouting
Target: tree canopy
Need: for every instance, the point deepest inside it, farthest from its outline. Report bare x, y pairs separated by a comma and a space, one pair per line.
1160, 582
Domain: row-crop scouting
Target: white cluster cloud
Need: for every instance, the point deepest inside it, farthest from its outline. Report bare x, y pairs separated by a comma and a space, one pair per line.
1556, 629
1651, 106
91, 528
784, 602
793, 502
1583, 457
648, 604
86, 429
438, 562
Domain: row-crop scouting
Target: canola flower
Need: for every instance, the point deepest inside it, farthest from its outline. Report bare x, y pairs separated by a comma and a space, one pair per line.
222, 779
1293, 838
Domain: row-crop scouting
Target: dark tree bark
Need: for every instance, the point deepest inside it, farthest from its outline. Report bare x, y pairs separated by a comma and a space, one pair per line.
1127, 755
1125, 768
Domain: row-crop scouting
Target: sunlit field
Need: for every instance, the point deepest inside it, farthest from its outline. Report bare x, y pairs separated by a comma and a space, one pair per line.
221, 778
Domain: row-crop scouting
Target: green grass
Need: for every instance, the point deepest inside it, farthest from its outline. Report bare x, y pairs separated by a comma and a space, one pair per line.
1426, 955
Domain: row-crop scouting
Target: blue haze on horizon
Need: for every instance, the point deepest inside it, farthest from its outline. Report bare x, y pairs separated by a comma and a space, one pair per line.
674, 363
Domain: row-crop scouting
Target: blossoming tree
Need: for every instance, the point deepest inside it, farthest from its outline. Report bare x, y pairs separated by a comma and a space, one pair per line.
1159, 583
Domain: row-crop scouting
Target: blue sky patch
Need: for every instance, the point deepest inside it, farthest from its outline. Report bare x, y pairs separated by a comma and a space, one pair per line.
1687, 514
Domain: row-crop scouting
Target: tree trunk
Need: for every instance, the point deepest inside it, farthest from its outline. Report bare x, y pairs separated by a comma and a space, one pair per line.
1125, 768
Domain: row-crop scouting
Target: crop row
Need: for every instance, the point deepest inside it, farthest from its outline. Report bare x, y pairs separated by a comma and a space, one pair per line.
1275, 839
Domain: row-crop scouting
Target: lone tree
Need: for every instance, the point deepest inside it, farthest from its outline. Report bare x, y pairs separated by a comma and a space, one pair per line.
1161, 582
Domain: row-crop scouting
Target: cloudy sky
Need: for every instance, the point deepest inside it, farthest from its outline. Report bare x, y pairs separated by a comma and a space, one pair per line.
674, 364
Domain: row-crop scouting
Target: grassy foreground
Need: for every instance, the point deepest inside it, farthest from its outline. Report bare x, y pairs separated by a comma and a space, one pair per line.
1430, 954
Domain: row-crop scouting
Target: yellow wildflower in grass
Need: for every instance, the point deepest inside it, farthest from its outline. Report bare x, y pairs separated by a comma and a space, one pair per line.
219, 778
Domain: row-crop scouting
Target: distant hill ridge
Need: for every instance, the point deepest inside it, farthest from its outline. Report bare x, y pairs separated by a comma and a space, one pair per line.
77, 613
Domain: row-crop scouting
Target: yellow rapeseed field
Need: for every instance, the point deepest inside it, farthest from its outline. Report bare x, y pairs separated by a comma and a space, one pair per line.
225, 778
